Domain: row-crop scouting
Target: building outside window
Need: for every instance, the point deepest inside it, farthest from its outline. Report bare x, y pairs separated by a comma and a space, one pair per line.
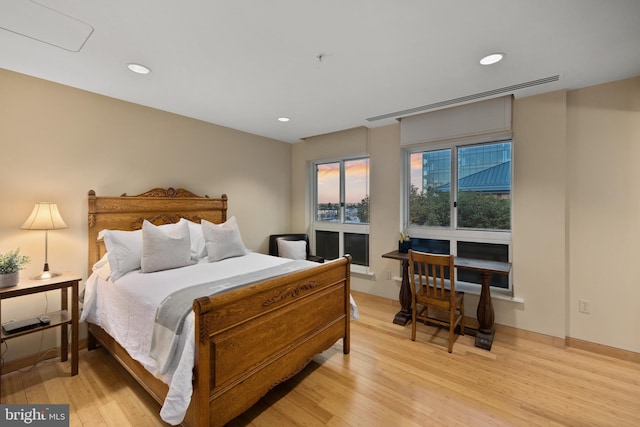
341, 210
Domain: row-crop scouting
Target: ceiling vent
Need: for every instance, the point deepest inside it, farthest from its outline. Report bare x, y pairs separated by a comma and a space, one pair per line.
473, 97
43, 24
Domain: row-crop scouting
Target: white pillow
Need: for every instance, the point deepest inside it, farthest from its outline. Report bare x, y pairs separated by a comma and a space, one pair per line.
223, 240
293, 249
124, 251
165, 248
198, 248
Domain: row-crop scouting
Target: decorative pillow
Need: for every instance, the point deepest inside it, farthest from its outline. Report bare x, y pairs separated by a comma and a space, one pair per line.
124, 251
293, 249
165, 248
198, 248
223, 240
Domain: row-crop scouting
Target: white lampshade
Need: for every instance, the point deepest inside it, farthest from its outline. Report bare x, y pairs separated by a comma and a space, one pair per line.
45, 216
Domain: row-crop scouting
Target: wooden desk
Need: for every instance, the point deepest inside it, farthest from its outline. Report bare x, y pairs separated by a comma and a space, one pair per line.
404, 315
485, 313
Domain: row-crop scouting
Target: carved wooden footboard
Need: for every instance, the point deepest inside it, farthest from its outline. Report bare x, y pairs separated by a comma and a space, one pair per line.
255, 337
247, 340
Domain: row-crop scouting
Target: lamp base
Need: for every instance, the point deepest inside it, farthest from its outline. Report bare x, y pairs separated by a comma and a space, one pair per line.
45, 275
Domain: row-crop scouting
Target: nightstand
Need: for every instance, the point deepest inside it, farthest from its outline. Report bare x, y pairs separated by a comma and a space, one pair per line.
62, 317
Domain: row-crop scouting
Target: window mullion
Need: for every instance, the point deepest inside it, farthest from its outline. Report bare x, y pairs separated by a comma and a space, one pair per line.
454, 188
342, 207
342, 197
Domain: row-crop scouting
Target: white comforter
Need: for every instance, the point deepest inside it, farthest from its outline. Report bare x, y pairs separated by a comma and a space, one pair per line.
126, 310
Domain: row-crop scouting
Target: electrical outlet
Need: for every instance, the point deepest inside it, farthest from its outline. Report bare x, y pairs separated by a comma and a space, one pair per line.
387, 275
585, 306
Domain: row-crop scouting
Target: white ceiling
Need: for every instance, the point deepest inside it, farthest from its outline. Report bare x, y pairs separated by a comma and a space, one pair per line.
327, 64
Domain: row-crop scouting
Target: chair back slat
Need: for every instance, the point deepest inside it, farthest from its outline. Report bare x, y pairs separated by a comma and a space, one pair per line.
430, 273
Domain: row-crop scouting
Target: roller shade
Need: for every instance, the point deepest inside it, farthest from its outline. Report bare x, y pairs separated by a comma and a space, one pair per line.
478, 118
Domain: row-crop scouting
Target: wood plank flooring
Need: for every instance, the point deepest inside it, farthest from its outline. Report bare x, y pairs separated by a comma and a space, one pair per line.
387, 380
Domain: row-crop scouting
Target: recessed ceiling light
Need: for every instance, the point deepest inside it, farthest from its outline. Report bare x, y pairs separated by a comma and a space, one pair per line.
283, 119
492, 59
140, 69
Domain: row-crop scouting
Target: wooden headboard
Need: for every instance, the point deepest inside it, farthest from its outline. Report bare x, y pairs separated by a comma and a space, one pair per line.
159, 206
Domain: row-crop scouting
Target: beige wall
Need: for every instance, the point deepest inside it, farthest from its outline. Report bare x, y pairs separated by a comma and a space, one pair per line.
604, 212
59, 142
539, 216
575, 211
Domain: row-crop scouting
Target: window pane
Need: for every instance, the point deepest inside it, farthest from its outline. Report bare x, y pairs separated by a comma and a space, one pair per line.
357, 245
328, 198
429, 193
328, 244
356, 190
484, 186
488, 251
434, 246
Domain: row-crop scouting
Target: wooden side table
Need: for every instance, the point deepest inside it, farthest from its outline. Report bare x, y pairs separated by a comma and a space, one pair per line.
62, 317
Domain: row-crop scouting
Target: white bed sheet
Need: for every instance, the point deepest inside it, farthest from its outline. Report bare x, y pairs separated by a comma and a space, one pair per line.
126, 310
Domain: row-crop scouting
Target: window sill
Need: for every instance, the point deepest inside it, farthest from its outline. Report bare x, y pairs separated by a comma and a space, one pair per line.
475, 290
361, 271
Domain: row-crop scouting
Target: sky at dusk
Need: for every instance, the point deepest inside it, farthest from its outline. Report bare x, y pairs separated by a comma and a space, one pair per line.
356, 181
416, 170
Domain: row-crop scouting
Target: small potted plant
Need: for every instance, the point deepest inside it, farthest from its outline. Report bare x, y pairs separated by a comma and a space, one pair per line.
10, 265
404, 244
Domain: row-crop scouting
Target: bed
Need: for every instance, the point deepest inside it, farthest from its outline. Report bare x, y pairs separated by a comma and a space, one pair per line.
245, 340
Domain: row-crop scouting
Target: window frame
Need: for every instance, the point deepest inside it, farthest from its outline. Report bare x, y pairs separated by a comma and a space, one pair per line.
341, 226
452, 233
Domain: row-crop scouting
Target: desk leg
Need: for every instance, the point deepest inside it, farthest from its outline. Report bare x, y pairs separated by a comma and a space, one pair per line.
484, 337
404, 315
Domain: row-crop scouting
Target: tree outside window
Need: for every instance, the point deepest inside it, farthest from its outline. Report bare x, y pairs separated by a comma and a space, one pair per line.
483, 193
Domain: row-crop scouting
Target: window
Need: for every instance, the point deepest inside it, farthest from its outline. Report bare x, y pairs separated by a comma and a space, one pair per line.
459, 202
341, 210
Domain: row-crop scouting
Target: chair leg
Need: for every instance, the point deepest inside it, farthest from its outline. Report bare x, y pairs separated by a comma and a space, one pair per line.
413, 320
462, 315
452, 326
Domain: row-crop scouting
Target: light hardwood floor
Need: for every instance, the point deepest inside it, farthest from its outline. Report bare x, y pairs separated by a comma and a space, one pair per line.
387, 380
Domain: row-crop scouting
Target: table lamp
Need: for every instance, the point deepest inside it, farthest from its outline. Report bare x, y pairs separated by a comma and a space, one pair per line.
45, 216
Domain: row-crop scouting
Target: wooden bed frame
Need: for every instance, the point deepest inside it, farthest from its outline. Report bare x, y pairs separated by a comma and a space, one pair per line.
248, 340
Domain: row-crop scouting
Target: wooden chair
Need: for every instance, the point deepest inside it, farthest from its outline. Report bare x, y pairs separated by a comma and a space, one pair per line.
427, 274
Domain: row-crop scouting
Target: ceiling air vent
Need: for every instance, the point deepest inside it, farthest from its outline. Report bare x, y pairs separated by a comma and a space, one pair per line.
43, 24
475, 96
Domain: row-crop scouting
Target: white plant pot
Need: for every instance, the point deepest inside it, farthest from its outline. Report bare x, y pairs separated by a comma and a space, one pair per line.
9, 280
